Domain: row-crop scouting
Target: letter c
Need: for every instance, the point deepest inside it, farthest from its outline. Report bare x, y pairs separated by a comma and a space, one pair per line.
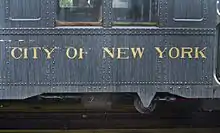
13, 53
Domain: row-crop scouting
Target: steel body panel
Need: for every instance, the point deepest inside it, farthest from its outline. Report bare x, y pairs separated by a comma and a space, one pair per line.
108, 31
185, 10
153, 70
2, 16
20, 79
94, 70
29, 13
21, 9
188, 13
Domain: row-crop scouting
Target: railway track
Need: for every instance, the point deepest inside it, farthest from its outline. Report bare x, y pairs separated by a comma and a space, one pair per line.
189, 130
34, 116
107, 121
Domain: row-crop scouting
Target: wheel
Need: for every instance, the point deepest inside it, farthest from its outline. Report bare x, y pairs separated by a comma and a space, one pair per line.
140, 107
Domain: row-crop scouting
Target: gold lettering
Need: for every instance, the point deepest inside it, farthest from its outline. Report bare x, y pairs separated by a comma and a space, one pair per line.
81, 53
35, 52
13, 52
187, 51
137, 51
110, 53
25, 53
160, 52
171, 52
49, 52
122, 53
74, 52
199, 53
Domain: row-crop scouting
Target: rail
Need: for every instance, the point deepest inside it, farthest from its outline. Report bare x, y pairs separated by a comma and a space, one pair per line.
189, 130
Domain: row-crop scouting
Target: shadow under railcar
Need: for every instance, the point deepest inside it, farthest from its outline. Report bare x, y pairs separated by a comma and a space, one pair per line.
96, 102
50, 111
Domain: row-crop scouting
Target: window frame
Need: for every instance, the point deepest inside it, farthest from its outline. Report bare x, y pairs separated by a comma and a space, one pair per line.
138, 23
106, 19
79, 23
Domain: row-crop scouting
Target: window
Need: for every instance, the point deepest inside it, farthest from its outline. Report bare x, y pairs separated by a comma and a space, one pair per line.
79, 12
135, 12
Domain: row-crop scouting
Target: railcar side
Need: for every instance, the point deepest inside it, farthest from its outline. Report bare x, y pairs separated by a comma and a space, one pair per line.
107, 46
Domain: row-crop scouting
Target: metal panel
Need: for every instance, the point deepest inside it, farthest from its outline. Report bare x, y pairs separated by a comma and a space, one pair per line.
218, 11
96, 70
59, 69
107, 13
78, 71
30, 13
186, 13
109, 31
188, 10
2, 14
189, 70
153, 70
218, 54
137, 70
26, 10
22, 71
4, 59
183, 77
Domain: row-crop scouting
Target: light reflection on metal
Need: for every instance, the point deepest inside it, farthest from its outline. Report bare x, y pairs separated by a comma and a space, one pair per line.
217, 8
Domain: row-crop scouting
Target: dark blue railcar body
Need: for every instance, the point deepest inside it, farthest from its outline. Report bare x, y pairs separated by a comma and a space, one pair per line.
107, 62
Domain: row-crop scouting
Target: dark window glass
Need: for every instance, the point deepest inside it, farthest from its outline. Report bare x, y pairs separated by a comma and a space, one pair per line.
131, 12
85, 12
